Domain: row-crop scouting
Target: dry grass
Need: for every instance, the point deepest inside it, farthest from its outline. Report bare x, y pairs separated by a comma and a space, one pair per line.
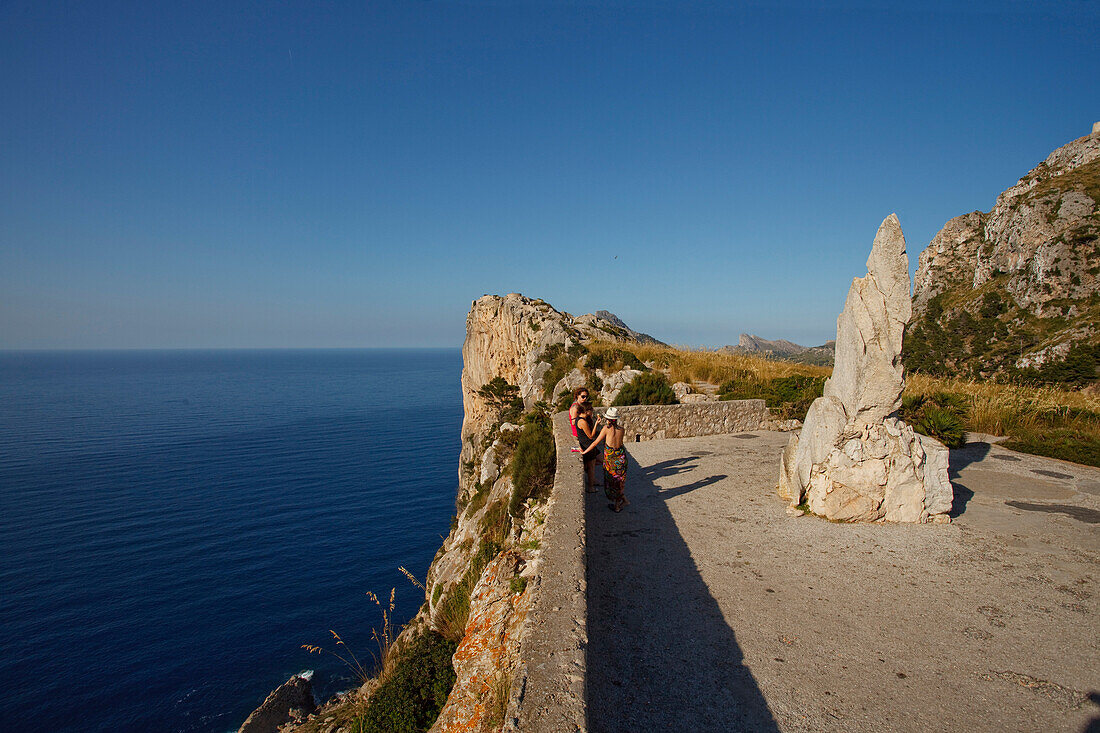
1007, 409
1048, 421
712, 367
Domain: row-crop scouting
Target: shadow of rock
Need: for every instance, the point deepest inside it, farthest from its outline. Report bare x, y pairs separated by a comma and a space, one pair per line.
958, 459
1094, 724
660, 653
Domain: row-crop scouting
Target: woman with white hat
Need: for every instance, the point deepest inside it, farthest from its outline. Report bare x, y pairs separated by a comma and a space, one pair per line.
614, 460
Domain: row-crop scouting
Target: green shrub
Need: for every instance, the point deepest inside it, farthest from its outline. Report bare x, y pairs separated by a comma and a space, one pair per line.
614, 360
410, 698
533, 463
650, 388
941, 415
786, 397
561, 361
503, 398
517, 584
1076, 446
943, 425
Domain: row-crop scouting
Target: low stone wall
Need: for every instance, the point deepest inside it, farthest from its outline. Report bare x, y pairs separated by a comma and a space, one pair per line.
656, 422
548, 690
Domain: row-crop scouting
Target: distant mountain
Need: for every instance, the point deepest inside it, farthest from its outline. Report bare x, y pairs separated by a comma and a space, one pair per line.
1016, 291
783, 350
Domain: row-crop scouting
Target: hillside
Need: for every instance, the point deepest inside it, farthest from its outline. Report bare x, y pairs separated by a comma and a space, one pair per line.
784, 350
1015, 292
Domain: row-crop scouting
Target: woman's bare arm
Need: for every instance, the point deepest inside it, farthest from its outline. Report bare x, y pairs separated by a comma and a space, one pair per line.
603, 434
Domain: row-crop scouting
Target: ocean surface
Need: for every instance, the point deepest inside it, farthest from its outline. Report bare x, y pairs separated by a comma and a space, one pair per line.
174, 525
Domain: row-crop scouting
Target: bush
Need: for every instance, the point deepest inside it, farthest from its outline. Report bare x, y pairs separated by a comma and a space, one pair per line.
941, 415
533, 463
651, 388
561, 361
614, 360
1076, 446
410, 698
943, 425
503, 398
786, 397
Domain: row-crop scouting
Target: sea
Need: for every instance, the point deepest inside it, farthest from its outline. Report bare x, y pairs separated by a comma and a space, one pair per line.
176, 525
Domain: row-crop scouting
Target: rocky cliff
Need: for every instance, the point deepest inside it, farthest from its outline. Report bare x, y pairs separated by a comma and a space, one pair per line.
1015, 288
517, 356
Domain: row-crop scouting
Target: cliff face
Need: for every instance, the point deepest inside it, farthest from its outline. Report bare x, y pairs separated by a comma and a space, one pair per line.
479, 577
1016, 287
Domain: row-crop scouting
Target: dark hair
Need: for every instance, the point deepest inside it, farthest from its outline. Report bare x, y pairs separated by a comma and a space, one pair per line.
577, 392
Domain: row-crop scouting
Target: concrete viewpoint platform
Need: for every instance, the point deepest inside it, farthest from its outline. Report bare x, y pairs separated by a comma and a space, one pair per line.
711, 609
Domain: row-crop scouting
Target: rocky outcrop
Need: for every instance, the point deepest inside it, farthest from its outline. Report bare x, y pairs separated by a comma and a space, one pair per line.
290, 702
489, 650
853, 459
614, 327
995, 291
495, 546
783, 349
511, 337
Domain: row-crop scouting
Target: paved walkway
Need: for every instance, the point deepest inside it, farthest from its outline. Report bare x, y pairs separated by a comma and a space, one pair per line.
712, 610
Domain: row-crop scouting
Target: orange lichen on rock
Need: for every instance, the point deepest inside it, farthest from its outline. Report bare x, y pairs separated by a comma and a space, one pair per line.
488, 651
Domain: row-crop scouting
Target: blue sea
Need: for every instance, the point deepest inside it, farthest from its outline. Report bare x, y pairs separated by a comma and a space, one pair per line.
175, 525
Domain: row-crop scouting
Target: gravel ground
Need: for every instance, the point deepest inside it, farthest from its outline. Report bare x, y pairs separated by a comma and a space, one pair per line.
711, 609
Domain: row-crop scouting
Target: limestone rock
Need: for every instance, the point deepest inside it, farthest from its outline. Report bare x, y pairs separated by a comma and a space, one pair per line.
681, 389
867, 376
696, 397
291, 701
854, 460
614, 382
489, 650
1032, 256
489, 468
568, 383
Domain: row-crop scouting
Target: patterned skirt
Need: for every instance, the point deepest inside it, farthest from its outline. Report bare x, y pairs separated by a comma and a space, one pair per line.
614, 470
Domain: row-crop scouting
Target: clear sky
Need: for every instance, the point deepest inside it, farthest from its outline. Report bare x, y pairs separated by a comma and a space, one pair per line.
285, 174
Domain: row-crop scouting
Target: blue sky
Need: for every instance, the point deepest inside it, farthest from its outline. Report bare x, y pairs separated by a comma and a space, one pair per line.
218, 174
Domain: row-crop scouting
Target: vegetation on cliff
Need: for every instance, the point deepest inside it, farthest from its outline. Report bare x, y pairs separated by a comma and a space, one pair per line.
1012, 294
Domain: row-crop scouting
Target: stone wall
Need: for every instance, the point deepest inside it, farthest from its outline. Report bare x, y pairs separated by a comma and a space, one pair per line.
548, 689
656, 422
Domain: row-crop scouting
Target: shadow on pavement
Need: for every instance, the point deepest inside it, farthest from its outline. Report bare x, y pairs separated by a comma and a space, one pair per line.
660, 655
958, 459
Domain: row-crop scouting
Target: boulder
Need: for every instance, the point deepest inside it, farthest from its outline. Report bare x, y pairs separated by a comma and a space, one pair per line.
291, 701
614, 382
854, 460
680, 389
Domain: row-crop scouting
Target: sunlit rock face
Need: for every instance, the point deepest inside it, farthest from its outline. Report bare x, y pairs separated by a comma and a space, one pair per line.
854, 460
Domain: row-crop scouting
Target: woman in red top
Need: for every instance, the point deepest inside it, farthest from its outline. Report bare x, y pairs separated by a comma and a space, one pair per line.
580, 394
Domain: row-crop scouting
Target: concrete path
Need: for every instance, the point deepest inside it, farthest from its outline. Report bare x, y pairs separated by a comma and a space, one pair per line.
712, 610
